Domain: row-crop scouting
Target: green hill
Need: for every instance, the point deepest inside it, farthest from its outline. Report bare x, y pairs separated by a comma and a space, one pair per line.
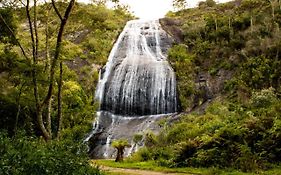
227, 62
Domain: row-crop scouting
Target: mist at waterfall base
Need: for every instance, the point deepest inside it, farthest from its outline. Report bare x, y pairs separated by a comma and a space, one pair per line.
136, 88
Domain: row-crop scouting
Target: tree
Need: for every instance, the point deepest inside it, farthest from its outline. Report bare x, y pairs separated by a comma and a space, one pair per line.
40, 106
252, 7
179, 4
120, 145
33, 59
210, 3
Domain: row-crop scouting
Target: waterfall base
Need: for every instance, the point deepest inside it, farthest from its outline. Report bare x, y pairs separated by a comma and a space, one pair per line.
110, 127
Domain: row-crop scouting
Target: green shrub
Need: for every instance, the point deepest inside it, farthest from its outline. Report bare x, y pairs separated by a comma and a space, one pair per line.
150, 139
137, 138
142, 154
227, 136
247, 161
263, 98
165, 162
182, 63
27, 155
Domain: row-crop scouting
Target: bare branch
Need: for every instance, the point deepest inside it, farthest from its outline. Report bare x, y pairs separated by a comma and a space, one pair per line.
22, 3
56, 10
14, 36
30, 28
35, 30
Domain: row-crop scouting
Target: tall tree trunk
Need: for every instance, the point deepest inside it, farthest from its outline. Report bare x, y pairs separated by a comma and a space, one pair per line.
229, 23
34, 41
47, 43
216, 23
272, 2
58, 49
47, 68
18, 109
35, 31
59, 119
58, 46
49, 117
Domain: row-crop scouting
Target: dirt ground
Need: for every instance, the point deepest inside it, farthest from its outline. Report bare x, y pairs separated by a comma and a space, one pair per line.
122, 171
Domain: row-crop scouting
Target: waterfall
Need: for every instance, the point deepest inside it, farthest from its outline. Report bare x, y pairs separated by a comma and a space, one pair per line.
136, 88
137, 79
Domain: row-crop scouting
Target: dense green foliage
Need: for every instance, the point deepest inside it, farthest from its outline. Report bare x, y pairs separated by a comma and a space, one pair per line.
235, 46
183, 65
87, 40
227, 135
85, 49
26, 155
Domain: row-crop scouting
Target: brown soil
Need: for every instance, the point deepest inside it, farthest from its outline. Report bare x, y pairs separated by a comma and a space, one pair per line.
124, 171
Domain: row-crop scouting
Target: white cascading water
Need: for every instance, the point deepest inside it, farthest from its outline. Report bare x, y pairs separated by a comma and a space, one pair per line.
136, 87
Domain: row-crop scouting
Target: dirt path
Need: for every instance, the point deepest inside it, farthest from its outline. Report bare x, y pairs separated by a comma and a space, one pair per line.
124, 171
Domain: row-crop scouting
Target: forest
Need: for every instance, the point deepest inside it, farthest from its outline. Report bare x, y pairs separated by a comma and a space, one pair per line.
227, 65
44, 47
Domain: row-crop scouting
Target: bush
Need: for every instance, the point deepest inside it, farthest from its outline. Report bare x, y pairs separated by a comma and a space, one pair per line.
26, 155
138, 138
142, 154
263, 98
247, 161
182, 63
227, 136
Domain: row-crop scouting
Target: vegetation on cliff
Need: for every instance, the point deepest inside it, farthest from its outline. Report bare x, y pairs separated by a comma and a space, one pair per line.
233, 47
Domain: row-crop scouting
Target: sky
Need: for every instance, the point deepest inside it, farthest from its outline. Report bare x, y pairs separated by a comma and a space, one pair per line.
153, 9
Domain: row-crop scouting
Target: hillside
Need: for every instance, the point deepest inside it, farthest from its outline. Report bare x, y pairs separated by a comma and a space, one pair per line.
227, 63
233, 48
